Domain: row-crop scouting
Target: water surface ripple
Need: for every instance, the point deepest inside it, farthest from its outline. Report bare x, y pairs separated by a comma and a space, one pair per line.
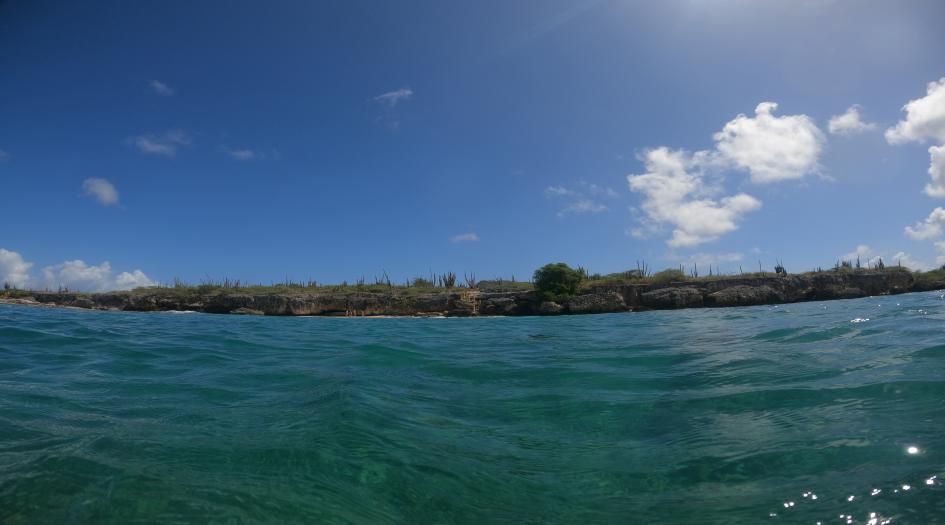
786, 414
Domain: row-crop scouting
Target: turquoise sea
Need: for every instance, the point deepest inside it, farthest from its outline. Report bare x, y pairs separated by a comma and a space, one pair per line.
775, 414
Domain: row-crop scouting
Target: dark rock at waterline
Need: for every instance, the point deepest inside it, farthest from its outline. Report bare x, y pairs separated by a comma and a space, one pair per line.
550, 308
672, 298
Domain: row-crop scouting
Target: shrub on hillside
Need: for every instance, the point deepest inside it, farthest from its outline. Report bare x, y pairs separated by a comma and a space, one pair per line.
557, 281
668, 276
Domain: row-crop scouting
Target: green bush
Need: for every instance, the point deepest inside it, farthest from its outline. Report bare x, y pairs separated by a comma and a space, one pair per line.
668, 276
557, 281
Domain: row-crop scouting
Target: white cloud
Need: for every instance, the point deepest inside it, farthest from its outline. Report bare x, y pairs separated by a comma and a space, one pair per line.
675, 193
4, 156
771, 148
582, 198
936, 188
134, 279
925, 117
862, 252
870, 258
166, 145
77, 275
464, 237
925, 120
849, 123
930, 228
13, 269
904, 259
161, 88
102, 190
392, 98
243, 154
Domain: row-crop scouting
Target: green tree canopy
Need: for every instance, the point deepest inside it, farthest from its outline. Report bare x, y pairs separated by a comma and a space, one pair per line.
557, 281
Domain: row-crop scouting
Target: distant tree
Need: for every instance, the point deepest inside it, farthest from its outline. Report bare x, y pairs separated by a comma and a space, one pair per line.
557, 281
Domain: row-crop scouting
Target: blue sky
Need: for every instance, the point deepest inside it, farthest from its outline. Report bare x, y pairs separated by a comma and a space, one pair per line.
331, 140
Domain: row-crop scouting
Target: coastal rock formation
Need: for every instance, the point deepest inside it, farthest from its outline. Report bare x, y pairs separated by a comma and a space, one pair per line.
744, 295
671, 298
597, 303
620, 297
550, 308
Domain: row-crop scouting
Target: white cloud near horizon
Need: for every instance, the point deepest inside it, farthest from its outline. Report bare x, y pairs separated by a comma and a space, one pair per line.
100, 189
771, 148
868, 257
676, 193
160, 88
166, 145
77, 275
392, 98
464, 237
74, 275
13, 269
849, 123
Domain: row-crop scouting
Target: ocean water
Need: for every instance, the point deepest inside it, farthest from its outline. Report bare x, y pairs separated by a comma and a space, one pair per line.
787, 414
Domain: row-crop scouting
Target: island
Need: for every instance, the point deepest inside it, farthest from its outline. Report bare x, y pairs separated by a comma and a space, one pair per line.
556, 289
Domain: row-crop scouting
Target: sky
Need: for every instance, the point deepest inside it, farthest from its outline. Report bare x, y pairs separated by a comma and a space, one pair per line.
146, 141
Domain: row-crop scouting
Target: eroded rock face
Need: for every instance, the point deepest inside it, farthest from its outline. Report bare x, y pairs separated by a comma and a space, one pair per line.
550, 308
597, 303
671, 298
744, 296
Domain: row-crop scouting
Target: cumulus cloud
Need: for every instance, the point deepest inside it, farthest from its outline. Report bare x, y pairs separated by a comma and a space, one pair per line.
166, 145
925, 117
681, 189
392, 98
771, 148
77, 275
161, 88
906, 260
74, 275
925, 120
464, 237
583, 198
862, 252
676, 193
930, 228
100, 189
13, 269
870, 258
936, 188
849, 123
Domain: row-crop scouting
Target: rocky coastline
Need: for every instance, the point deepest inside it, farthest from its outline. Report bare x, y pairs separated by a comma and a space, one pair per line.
627, 297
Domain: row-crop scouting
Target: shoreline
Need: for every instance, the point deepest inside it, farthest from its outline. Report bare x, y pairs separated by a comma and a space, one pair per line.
593, 299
